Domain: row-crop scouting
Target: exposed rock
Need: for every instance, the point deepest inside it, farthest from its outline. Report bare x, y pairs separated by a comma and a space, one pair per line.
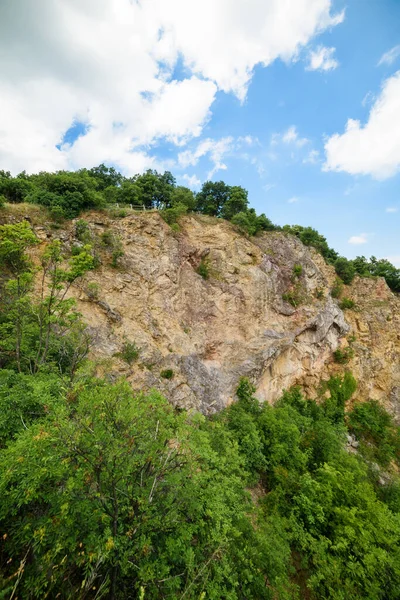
235, 323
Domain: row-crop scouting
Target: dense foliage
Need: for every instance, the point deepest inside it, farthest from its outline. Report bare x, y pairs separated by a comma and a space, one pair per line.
108, 494
66, 194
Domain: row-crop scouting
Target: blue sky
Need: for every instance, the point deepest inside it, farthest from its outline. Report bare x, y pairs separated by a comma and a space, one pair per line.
253, 92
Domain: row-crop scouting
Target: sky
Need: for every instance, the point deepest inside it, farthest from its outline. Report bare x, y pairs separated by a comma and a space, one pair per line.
298, 101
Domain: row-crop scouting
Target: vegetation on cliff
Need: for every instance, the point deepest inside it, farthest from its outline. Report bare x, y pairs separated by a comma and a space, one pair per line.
108, 494
66, 194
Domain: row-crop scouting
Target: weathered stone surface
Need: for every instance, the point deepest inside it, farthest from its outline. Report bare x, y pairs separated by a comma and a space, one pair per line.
235, 323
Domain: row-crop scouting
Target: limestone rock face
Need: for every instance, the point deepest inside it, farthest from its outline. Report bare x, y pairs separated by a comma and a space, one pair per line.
264, 312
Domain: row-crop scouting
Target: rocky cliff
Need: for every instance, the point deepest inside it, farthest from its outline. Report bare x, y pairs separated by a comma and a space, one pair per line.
264, 312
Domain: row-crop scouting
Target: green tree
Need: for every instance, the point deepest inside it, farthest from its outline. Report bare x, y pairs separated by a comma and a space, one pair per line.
212, 197
183, 196
124, 495
345, 269
237, 202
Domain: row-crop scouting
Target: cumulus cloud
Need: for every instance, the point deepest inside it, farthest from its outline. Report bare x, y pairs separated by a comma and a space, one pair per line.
390, 56
358, 239
191, 181
109, 64
373, 148
290, 136
216, 150
312, 157
322, 59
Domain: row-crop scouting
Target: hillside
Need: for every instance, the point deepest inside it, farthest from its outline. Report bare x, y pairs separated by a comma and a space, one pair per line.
235, 323
190, 411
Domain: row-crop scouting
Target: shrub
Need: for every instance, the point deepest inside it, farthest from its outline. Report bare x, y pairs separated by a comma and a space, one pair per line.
57, 213
113, 243
294, 296
343, 355
337, 288
3, 200
346, 303
171, 215
82, 231
345, 269
319, 294
107, 238
203, 269
92, 290
297, 270
129, 353
371, 424
167, 374
116, 255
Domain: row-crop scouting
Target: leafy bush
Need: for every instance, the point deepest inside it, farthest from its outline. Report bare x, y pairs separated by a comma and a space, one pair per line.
129, 353
297, 270
319, 294
343, 355
82, 231
345, 269
167, 374
294, 296
3, 200
113, 243
371, 424
203, 269
117, 253
172, 215
92, 289
346, 303
337, 288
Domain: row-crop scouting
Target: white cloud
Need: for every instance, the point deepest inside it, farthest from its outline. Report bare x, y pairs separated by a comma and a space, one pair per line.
312, 157
192, 181
224, 40
358, 239
390, 56
368, 99
293, 200
214, 149
290, 136
372, 149
395, 260
391, 209
322, 59
108, 63
268, 186
248, 140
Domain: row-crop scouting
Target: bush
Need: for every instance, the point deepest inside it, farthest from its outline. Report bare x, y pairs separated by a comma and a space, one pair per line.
115, 256
345, 269
3, 200
93, 290
82, 231
114, 244
107, 238
343, 355
57, 213
129, 353
297, 270
294, 296
375, 427
319, 294
203, 269
167, 374
346, 303
337, 288
171, 215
